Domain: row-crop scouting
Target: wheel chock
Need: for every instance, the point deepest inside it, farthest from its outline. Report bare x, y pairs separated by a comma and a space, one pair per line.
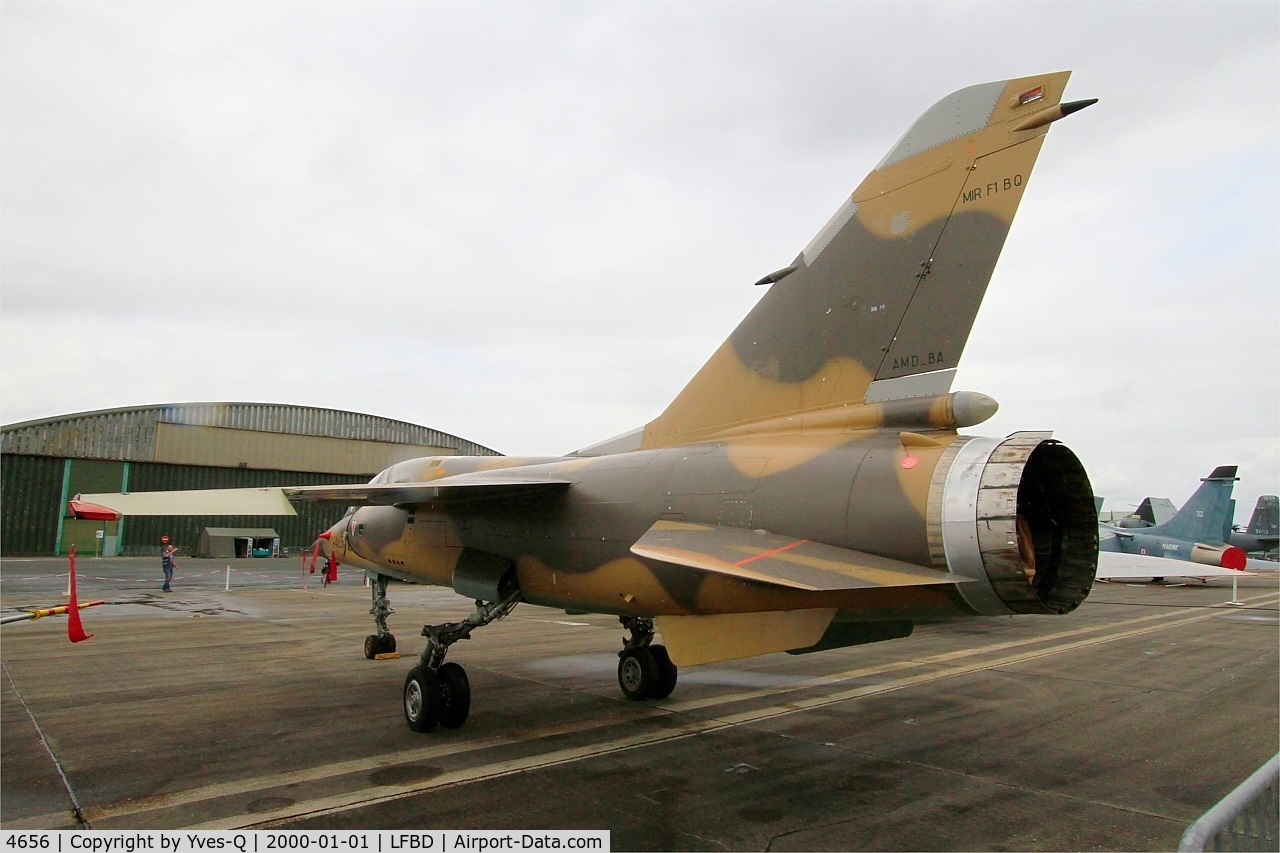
386, 656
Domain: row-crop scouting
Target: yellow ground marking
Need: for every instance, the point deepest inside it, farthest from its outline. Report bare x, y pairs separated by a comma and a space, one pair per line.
337, 768
386, 793
945, 657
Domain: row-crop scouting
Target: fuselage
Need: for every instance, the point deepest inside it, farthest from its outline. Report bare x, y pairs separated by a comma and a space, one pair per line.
868, 492
1139, 543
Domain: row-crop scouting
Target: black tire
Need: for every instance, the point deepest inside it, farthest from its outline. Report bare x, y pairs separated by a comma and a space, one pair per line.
637, 673
422, 699
455, 694
375, 645
667, 673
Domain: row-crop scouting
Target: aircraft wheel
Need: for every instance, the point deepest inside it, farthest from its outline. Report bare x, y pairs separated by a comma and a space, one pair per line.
455, 693
667, 673
375, 645
637, 673
422, 699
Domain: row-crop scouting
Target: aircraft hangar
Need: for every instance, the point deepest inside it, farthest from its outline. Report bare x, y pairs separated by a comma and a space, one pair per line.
47, 462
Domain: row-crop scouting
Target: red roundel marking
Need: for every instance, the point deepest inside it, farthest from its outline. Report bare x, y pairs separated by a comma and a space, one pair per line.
1234, 558
910, 462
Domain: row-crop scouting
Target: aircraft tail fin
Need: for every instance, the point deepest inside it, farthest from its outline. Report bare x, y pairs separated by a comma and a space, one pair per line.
1266, 517
1204, 516
1156, 510
879, 305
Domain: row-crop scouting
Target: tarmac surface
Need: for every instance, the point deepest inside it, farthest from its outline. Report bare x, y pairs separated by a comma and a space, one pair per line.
1111, 728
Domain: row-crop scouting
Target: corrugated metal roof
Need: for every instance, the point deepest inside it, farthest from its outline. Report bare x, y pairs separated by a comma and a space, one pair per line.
130, 433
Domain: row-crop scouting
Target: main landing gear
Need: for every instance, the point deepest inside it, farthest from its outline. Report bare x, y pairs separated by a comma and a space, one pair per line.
645, 671
438, 693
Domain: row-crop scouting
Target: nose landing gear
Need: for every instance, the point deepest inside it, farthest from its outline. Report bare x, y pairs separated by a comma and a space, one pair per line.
383, 642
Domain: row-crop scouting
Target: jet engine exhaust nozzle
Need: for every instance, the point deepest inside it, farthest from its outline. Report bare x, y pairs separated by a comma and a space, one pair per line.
1017, 516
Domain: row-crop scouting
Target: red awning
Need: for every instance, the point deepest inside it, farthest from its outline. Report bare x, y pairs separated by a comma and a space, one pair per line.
92, 512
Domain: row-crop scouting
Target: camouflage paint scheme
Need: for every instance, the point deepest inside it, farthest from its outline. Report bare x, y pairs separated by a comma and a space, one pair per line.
777, 482
808, 488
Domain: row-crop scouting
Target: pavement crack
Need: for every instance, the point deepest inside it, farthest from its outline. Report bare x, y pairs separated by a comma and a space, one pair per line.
781, 835
76, 811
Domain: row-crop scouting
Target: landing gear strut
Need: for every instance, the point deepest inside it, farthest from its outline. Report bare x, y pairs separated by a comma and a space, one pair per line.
383, 642
645, 671
438, 693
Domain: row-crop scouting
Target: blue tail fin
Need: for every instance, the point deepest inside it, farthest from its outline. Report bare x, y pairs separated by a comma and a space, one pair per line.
1208, 513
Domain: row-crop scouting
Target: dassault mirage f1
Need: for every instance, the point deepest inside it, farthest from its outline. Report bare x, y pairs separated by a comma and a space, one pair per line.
808, 488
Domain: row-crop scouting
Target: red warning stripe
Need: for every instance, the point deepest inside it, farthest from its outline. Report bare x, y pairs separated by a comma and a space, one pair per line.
771, 553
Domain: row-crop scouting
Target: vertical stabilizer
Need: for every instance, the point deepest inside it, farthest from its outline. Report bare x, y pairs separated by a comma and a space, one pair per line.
1266, 517
1156, 510
878, 306
1207, 514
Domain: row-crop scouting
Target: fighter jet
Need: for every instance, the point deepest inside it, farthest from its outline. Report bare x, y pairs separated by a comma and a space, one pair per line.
1263, 533
1195, 537
1150, 512
807, 490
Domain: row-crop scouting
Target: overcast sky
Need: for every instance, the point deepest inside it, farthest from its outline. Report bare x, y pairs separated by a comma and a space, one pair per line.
530, 224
